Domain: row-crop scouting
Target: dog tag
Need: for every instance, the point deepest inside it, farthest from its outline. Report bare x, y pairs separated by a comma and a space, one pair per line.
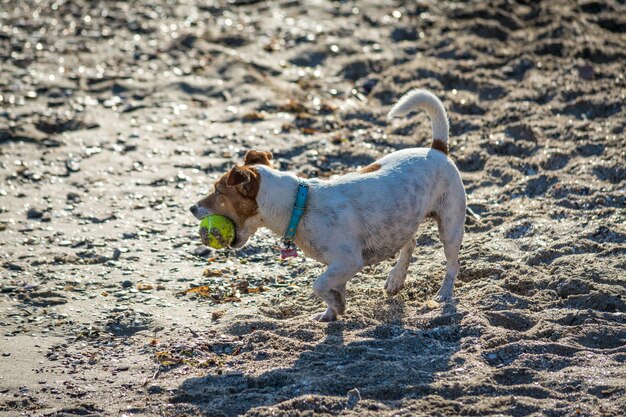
288, 253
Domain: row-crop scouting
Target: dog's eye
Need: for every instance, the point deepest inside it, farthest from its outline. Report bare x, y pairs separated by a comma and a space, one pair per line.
217, 193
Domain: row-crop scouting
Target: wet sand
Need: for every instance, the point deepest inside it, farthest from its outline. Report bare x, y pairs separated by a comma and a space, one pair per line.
116, 116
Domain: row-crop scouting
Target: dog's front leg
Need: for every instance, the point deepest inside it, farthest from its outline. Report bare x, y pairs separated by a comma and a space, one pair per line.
397, 276
331, 287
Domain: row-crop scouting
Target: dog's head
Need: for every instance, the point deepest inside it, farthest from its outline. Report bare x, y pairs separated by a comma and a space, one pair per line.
234, 196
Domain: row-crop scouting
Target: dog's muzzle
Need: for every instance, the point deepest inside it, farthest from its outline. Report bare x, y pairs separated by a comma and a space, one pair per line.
199, 212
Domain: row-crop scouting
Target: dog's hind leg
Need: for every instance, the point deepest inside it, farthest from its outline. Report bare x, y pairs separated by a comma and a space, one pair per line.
331, 287
397, 276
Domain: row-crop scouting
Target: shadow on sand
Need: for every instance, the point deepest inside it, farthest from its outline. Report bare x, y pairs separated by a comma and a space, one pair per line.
386, 363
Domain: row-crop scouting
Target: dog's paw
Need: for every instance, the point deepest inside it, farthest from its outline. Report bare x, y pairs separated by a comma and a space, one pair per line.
324, 317
394, 283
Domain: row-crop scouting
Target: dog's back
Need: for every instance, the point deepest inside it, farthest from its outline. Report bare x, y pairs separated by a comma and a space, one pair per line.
381, 209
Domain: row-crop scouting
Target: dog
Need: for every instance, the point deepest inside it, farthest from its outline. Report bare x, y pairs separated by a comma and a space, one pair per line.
357, 219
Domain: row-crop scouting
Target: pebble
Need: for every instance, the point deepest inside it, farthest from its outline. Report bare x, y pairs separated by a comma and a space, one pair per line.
13, 267
72, 165
127, 284
34, 213
116, 254
202, 251
354, 396
154, 389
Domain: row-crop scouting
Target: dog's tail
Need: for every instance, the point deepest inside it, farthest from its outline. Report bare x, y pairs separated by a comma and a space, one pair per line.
423, 99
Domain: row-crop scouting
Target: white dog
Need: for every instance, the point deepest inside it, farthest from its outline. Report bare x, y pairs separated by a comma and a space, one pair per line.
356, 219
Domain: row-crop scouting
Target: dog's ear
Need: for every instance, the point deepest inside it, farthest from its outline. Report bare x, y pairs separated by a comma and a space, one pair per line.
238, 176
245, 180
258, 157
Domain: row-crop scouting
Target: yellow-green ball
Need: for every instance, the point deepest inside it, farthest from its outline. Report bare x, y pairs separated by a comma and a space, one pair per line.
217, 231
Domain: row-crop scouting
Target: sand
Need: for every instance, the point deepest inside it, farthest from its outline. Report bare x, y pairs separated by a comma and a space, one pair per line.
116, 116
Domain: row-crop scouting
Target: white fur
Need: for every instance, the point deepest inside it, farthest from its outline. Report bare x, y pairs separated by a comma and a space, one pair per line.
429, 102
364, 218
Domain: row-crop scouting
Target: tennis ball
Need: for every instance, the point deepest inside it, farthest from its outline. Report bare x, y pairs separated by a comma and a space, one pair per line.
217, 231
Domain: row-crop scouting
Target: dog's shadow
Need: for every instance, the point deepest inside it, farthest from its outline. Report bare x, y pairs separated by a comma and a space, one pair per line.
386, 363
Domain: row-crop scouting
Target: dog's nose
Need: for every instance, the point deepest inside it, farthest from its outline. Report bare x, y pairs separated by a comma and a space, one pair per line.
193, 209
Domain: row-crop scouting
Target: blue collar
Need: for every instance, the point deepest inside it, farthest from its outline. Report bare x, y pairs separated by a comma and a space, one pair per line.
297, 212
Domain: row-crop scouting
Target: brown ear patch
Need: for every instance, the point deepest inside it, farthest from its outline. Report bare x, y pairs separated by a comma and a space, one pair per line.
258, 157
245, 180
440, 145
238, 176
370, 168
